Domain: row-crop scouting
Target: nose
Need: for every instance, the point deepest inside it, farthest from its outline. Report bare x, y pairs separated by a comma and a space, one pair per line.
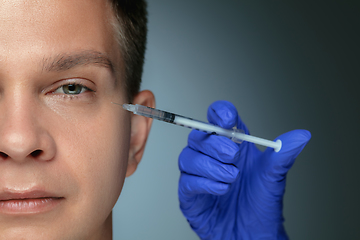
22, 136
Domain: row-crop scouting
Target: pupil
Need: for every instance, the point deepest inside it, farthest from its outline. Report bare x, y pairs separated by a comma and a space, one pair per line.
72, 87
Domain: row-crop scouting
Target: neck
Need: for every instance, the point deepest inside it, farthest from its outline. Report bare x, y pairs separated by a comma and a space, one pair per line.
106, 231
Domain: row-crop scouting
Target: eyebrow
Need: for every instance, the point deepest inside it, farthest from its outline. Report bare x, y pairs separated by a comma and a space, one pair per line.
66, 61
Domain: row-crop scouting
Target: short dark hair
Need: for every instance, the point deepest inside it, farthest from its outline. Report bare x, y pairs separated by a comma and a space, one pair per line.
131, 34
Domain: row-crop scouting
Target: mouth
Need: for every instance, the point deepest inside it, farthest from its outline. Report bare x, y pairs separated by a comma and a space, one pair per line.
28, 202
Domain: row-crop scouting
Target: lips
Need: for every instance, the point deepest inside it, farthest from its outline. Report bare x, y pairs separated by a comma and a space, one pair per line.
5, 196
28, 202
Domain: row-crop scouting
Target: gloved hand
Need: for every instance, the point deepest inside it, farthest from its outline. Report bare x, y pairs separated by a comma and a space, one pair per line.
235, 191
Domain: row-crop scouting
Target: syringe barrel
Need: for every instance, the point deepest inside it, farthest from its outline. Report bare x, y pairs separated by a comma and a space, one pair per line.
154, 113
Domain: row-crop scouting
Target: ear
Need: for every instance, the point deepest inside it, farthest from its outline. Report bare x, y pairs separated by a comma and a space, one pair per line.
140, 128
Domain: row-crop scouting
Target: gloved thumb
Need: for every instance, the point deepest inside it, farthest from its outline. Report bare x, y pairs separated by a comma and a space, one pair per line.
279, 163
224, 114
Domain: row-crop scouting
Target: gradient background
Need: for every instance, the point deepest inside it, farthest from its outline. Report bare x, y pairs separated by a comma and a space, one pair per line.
284, 66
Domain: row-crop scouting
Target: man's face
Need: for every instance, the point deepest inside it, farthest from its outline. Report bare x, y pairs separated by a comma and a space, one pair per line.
64, 147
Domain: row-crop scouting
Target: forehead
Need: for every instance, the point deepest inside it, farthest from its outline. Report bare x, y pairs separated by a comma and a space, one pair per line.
44, 27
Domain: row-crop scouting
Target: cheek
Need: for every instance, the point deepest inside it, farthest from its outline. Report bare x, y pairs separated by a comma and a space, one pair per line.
108, 158
96, 152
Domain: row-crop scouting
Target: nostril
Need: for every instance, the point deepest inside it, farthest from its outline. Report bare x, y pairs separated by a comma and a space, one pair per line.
3, 155
36, 153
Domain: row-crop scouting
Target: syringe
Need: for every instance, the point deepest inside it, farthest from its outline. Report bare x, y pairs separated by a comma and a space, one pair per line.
235, 135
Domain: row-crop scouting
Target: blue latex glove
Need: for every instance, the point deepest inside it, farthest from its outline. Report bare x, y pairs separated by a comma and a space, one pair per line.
230, 191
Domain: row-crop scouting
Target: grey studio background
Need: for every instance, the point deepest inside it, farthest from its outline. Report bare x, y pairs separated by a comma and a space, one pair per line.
284, 66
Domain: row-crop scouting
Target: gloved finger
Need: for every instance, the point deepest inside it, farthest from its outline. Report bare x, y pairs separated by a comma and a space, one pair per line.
224, 114
190, 185
279, 163
196, 163
217, 147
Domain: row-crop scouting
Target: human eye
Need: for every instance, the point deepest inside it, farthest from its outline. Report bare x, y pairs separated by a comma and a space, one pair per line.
80, 89
72, 89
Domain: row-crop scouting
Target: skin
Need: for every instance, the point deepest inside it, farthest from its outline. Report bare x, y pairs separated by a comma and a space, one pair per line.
77, 146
